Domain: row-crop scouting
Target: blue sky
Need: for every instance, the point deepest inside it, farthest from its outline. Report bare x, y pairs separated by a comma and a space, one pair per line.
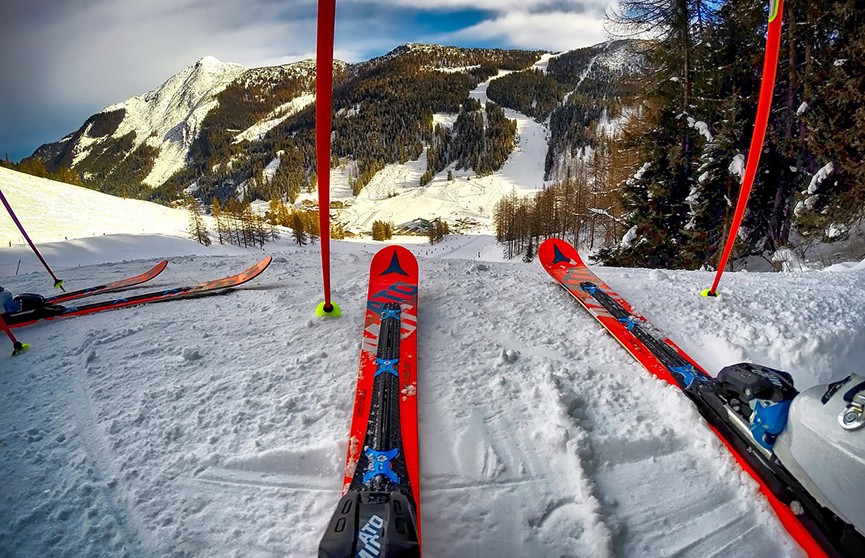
64, 61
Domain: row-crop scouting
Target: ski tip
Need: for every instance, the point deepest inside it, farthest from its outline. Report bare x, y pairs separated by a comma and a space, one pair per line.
330, 310
20, 348
709, 294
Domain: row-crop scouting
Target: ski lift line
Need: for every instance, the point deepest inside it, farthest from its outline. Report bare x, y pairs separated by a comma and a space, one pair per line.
57, 282
770, 66
323, 102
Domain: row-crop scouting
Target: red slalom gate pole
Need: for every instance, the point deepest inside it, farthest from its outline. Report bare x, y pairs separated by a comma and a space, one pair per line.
323, 105
770, 66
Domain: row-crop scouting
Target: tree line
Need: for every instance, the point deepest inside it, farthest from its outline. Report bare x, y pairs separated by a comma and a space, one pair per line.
481, 140
688, 142
35, 167
236, 224
571, 209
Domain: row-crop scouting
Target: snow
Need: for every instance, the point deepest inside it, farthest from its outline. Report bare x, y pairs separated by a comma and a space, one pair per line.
810, 201
819, 177
394, 193
701, 127
51, 217
788, 260
168, 117
217, 426
629, 237
737, 166
639, 174
544, 62
276, 117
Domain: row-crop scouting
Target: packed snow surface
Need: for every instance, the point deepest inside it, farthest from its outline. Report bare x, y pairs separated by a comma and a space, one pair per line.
217, 426
52, 211
394, 195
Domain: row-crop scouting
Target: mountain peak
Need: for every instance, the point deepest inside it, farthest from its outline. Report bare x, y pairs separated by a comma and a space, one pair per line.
210, 65
209, 60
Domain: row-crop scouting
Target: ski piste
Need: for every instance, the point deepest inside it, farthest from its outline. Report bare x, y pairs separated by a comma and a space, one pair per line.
379, 512
56, 311
114, 286
817, 530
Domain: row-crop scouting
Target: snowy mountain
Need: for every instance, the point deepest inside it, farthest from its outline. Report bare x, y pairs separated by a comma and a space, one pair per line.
214, 126
163, 121
168, 118
217, 426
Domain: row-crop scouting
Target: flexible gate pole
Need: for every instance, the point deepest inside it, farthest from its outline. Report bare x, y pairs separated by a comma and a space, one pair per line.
770, 66
323, 104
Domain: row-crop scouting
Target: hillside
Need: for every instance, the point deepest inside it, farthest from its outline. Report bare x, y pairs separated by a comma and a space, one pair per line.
216, 126
53, 211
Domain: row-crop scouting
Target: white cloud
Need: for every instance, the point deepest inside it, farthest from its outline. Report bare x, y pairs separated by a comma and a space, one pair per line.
499, 6
533, 24
110, 51
555, 31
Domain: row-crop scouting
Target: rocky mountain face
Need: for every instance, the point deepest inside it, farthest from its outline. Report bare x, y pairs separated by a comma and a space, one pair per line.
213, 128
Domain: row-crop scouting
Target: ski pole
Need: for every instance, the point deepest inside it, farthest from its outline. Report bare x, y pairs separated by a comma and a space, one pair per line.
18, 346
323, 104
58, 283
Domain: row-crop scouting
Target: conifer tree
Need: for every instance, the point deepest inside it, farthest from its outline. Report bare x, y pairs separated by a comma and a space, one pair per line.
197, 227
298, 229
216, 211
831, 201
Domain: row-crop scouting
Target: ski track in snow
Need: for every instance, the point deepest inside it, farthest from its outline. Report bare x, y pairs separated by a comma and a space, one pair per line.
216, 426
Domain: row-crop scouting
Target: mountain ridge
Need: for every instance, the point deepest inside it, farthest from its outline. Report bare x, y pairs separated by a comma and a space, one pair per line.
208, 124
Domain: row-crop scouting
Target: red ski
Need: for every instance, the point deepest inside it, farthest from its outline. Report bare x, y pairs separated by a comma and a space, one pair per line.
815, 528
55, 311
110, 287
379, 513
563, 262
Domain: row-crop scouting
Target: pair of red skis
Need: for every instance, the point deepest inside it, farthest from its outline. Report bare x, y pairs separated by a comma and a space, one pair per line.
379, 512
55, 307
817, 530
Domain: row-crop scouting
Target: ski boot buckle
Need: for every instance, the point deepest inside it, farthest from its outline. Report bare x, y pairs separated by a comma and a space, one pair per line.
853, 416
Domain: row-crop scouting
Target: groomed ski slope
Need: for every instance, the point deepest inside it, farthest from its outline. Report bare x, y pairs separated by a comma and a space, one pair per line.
217, 426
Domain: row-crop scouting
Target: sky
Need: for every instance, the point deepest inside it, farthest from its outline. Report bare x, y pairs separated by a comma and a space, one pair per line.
64, 61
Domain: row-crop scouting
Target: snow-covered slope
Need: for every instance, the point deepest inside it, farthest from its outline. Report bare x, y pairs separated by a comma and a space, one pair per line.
168, 117
393, 193
217, 426
52, 211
